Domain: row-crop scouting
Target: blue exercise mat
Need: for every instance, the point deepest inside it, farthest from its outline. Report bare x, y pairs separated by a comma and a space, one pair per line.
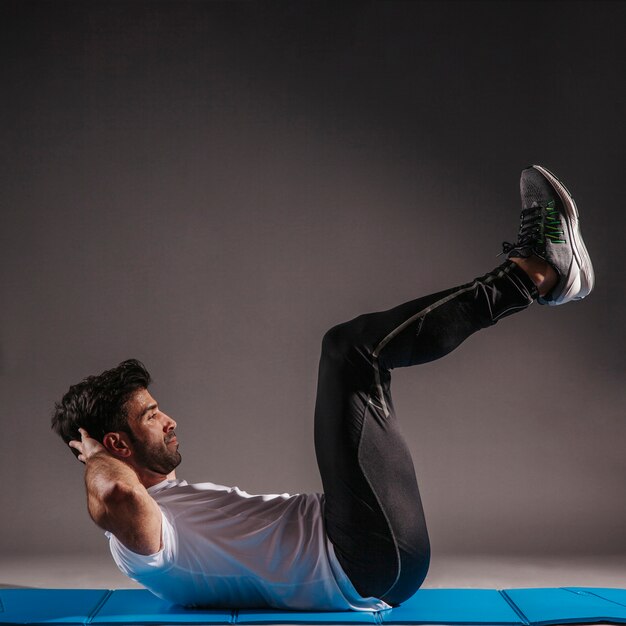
146, 608
453, 606
304, 617
612, 595
569, 605
428, 606
50, 606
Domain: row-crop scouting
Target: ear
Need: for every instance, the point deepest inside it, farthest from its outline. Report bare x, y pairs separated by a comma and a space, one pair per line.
117, 444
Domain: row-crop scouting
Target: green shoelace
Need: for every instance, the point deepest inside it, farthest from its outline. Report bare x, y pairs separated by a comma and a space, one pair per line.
553, 229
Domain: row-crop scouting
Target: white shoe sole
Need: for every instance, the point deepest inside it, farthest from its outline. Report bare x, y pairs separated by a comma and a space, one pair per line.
581, 278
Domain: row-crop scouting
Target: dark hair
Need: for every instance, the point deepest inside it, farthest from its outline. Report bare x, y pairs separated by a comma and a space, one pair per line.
97, 403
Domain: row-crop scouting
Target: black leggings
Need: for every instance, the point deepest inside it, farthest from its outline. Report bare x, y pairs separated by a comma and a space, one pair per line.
373, 511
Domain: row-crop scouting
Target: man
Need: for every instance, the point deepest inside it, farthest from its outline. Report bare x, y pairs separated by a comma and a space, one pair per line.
361, 545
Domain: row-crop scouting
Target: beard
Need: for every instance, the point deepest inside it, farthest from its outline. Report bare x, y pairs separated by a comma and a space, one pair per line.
157, 457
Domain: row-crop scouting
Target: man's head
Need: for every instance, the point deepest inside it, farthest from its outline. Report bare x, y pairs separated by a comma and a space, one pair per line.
116, 409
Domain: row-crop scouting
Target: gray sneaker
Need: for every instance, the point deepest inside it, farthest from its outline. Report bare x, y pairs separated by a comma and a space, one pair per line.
549, 229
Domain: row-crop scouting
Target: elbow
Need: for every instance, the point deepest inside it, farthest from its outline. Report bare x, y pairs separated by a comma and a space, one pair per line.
109, 493
117, 492
108, 501
122, 499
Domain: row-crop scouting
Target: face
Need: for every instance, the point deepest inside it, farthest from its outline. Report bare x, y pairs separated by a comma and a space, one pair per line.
154, 442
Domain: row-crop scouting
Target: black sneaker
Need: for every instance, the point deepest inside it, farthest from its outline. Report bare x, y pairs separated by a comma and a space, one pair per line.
550, 230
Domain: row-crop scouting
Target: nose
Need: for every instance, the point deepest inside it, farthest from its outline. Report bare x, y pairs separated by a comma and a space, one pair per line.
170, 424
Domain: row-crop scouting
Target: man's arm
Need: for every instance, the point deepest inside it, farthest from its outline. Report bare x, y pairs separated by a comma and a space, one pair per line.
116, 500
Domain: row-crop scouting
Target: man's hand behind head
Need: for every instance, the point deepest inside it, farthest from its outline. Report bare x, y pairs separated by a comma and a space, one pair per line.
87, 446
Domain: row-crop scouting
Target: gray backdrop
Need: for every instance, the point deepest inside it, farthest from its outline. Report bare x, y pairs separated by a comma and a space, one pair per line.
209, 186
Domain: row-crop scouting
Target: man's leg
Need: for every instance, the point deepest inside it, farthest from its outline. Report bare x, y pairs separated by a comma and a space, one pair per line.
373, 511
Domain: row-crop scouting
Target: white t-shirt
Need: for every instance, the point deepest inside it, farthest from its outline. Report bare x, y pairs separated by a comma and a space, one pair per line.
223, 547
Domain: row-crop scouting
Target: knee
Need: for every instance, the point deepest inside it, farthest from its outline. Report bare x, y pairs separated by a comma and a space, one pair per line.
336, 343
343, 341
